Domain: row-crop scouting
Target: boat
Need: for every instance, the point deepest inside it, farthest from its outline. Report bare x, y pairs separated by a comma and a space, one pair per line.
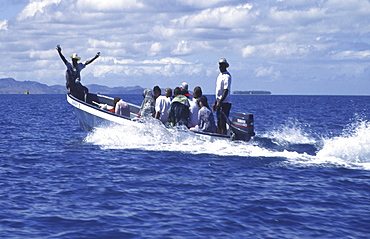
93, 114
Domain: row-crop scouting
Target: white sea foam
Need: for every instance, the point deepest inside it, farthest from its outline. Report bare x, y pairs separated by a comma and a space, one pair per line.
352, 149
290, 133
155, 137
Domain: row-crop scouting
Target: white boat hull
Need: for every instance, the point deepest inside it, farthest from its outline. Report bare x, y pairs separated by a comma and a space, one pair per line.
90, 116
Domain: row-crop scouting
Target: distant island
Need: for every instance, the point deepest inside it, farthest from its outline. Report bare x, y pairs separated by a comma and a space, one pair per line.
252, 92
11, 86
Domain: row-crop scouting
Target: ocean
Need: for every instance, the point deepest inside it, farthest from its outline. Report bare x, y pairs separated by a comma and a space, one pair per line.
306, 173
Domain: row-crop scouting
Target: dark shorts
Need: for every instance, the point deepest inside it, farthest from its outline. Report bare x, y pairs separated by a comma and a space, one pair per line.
78, 90
225, 107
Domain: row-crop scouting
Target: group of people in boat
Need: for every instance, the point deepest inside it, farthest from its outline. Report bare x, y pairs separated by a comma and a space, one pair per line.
179, 108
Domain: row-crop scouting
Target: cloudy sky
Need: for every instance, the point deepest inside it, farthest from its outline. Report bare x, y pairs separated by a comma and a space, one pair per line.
284, 46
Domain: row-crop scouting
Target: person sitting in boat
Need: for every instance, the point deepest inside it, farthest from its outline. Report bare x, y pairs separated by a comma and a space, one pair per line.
206, 121
178, 114
148, 105
194, 107
116, 99
162, 103
73, 74
185, 89
120, 107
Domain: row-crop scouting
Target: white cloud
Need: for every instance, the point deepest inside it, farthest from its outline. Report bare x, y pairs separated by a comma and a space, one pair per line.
104, 43
109, 6
41, 55
4, 25
248, 51
182, 48
225, 16
167, 60
343, 55
200, 4
34, 7
128, 67
155, 48
269, 72
297, 17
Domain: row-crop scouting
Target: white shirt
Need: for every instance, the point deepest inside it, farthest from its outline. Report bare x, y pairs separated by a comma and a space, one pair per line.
162, 104
223, 82
193, 116
122, 108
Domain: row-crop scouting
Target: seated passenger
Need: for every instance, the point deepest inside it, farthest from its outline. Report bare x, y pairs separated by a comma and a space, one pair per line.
194, 107
162, 104
184, 89
121, 108
206, 121
116, 99
169, 94
148, 104
178, 114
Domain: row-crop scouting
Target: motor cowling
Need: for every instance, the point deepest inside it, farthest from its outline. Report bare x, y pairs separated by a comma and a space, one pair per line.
242, 124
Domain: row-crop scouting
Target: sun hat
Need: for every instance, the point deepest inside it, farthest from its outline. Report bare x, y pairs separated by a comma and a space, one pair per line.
75, 56
223, 61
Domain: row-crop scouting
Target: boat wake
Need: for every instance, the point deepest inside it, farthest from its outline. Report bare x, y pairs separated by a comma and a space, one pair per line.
291, 143
352, 147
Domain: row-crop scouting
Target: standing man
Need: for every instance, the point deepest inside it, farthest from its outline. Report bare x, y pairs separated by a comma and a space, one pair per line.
222, 103
73, 75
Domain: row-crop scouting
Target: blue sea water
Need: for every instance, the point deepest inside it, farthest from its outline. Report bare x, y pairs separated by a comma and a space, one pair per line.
306, 174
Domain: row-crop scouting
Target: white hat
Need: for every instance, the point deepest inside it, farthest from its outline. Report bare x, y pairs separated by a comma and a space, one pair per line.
75, 56
223, 60
184, 86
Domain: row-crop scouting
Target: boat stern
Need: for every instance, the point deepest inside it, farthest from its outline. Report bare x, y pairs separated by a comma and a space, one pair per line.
242, 125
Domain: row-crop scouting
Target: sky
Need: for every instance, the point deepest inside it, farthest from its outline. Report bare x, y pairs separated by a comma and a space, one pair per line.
284, 46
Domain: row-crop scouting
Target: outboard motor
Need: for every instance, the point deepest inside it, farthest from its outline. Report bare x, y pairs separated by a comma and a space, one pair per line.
242, 125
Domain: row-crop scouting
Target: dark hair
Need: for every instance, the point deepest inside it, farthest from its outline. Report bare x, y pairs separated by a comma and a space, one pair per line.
168, 92
198, 91
204, 101
177, 91
157, 88
115, 101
